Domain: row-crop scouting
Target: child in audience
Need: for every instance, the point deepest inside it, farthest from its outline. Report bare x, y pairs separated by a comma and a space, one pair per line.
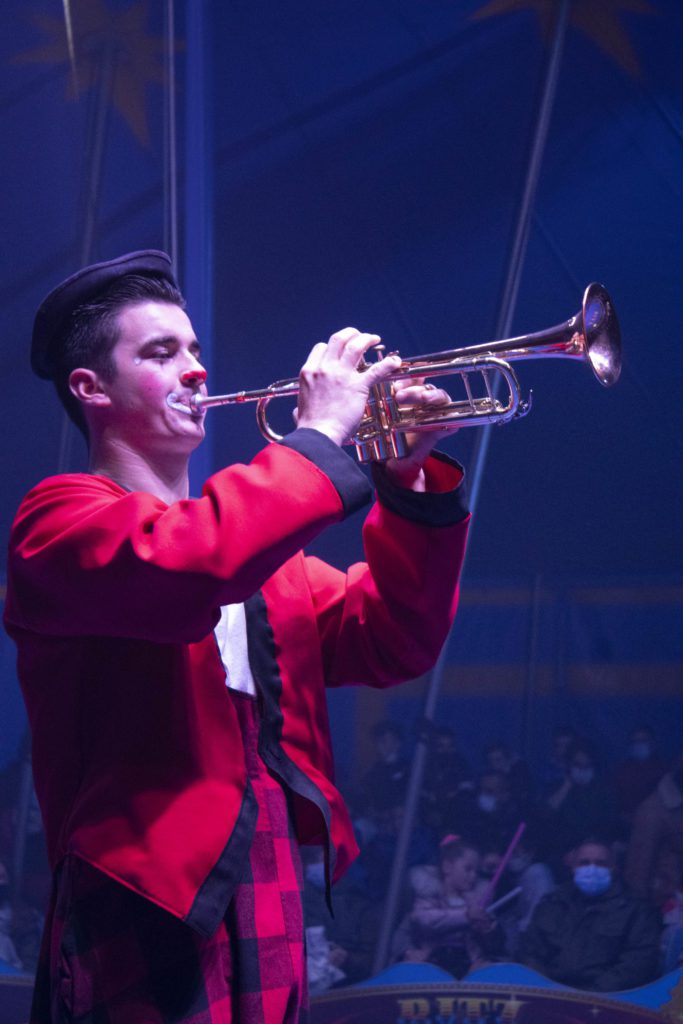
447, 925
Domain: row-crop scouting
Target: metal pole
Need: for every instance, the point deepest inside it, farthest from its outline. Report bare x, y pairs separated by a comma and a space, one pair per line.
505, 316
198, 234
532, 666
171, 164
93, 183
508, 302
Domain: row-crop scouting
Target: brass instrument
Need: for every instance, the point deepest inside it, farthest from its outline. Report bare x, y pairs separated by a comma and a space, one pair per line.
591, 336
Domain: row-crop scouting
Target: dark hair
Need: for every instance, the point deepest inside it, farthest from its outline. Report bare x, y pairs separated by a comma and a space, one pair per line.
93, 332
593, 839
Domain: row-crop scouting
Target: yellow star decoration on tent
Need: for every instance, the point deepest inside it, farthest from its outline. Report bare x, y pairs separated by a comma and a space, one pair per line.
92, 34
598, 19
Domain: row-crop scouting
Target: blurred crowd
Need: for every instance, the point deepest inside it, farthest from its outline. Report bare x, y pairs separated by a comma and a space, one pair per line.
575, 870
589, 892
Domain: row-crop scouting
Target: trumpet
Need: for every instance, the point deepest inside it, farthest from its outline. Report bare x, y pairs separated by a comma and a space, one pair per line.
591, 336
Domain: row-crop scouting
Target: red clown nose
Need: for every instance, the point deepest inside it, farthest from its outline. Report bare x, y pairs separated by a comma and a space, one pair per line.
193, 377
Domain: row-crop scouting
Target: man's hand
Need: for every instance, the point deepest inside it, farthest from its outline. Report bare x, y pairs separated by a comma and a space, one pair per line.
333, 394
408, 472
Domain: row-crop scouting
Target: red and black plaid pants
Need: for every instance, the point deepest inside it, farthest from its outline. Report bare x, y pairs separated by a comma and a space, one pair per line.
111, 957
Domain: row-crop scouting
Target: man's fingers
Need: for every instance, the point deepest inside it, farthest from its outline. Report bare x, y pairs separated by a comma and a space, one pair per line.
380, 371
350, 344
315, 356
420, 394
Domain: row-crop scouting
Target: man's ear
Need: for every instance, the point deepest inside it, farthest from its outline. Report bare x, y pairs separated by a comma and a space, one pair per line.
88, 388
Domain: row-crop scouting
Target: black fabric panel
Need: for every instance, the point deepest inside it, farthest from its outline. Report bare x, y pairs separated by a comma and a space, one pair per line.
348, 478
211, 902
431, 508
261, 646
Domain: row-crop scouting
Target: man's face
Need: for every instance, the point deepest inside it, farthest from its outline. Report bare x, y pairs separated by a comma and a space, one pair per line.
592, 853
495, 785
155, 348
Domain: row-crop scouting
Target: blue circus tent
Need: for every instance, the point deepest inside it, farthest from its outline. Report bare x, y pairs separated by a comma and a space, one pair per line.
340, 163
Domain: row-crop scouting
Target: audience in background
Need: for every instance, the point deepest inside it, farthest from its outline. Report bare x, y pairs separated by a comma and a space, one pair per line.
447, 777
499, 758
634, 778
447, 924
591, 932
554, 769
534, 879
654, 856
8, 953
384, 785
581, 804
672, 935
373, 867
490, 815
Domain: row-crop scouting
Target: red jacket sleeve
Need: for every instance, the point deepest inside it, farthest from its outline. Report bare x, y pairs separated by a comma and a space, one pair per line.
88, 558
385, 620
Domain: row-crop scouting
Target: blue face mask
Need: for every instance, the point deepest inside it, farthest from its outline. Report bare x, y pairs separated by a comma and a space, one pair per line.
592, 879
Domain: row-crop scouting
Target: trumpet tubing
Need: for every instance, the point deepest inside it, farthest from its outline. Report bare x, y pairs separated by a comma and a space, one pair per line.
591, 336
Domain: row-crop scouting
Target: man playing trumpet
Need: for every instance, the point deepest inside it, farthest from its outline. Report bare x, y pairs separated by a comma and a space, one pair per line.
173, 654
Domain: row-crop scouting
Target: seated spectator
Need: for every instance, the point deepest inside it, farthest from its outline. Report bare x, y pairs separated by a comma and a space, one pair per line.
672, 936
499, 758
373, 868
8, 953
534, 879
490, 857
340, 948
384, 785
554, 771
447, 926
657, 829
592, 933
581, 805
447, 776
490, 815
634, 779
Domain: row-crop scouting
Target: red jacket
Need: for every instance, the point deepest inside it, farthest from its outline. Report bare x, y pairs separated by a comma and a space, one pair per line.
112, 600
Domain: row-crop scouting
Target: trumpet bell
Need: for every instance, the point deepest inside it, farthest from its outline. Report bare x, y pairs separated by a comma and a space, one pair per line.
602, 335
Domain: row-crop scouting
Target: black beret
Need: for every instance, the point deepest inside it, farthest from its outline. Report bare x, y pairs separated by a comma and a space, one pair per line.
55, 311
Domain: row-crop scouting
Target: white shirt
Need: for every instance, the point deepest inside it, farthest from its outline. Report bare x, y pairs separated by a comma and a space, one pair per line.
231, 639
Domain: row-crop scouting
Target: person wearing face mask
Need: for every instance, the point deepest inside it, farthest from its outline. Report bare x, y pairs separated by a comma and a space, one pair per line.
592, 932
635, 777
493, 815
582, 803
